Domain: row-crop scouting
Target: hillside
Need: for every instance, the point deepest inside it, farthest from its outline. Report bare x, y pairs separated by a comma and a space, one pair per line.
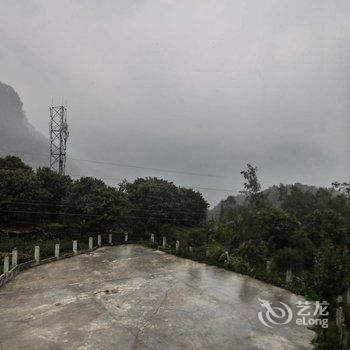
271, 192
19, 137
17, 134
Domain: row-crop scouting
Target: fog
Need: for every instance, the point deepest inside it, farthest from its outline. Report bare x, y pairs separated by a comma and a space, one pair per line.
194, 86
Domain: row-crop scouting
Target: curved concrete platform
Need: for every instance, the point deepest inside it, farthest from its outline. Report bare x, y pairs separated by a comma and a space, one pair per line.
131, 297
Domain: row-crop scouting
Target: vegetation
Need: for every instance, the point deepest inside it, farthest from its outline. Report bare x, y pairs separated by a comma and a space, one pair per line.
302, 230
88, 205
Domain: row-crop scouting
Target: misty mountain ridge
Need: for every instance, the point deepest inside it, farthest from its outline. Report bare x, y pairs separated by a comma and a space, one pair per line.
18, 136
272, 194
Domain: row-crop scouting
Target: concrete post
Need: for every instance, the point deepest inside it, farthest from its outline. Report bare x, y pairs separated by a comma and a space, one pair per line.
14, 257
57, 251
177, 245
339, 316
91, 243
126, 237
152, 237
348, 297
99, 240
268, 265
190, 249
207, 252
37, 254
6, 264
110, 239
164, 242
289, 276
75, 247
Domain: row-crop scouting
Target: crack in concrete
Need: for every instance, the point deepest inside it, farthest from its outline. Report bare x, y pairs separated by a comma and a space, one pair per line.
150, 318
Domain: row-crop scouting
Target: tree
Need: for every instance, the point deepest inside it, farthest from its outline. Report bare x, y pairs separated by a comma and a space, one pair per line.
324, 226
54, 188
287, 258
255, 252
299, 203
342, 187
19, 193
276, 227
252, 187
13, 163
332, 272
91, 206
157, 203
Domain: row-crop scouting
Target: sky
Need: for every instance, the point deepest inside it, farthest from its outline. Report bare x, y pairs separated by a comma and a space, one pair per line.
195, 86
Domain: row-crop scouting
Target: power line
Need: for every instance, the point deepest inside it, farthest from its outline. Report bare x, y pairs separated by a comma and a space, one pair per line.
120, 179
90, 215
128, 207
145, 168
123, 165
196, 187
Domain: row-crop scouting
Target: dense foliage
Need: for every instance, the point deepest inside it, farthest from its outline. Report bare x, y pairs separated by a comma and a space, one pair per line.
88, 205
307, 232
304, 231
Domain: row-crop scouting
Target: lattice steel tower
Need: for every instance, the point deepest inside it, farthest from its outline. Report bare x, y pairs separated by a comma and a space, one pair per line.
58, 138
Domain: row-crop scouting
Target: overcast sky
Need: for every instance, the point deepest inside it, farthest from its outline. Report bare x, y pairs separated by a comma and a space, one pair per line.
201, 86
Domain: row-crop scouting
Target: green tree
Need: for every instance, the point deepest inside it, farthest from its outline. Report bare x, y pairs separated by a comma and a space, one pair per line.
156, 204
287, 258
252, 187
92, 206
19, 193
326, 225
332, 272
276, 227
254, 252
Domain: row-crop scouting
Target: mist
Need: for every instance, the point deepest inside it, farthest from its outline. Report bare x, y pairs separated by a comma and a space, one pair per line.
198, 87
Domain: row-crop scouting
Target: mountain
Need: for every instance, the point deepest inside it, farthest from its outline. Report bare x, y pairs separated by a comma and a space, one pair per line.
271, 192
17, 135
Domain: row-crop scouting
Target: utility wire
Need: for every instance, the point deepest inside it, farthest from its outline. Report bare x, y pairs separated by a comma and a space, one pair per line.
127, 207
90, 215
119, 179
125, 165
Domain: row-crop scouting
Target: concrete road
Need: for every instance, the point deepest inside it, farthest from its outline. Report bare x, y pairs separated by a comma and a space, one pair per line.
131, 297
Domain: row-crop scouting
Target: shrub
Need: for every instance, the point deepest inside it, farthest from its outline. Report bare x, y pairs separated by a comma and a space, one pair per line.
287, 258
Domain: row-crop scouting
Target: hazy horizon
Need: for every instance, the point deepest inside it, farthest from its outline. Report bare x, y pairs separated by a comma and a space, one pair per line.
193, 86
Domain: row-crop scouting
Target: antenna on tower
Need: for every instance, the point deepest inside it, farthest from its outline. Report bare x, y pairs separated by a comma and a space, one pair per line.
58, 138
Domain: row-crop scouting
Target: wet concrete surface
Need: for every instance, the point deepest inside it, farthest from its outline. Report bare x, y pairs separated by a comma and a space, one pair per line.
131, 297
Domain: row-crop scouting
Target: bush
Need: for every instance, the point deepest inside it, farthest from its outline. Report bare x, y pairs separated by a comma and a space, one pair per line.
287, 258
253, 252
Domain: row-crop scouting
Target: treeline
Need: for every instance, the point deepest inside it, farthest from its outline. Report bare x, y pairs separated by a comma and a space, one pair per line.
307, 233
88, 205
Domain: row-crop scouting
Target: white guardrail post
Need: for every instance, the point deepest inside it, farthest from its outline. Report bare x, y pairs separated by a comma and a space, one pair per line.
289, 276
6, 264
268, 266
57, 251
14, 257
37, 254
